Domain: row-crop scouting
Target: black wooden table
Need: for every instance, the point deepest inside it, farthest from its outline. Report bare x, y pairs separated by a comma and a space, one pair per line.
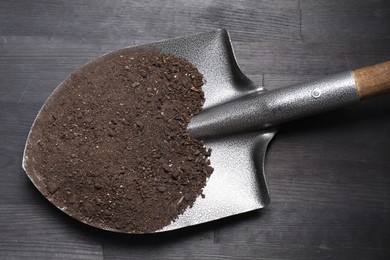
328, 176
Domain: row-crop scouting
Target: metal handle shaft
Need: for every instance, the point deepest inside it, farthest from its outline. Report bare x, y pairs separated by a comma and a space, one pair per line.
270, 108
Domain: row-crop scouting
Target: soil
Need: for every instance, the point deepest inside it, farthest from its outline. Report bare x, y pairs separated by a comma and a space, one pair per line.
111, 146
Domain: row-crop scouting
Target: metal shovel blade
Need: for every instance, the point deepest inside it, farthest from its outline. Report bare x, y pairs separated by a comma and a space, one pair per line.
237, 184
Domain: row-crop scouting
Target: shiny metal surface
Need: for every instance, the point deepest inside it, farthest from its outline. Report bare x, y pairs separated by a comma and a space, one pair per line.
237, 184
269, 108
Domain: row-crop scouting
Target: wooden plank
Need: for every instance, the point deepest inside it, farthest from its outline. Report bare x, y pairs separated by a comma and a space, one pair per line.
14, 186
327, 175
248, 19
17, 118
347, 21
297, 234
342, 5
19, 249
39, 232
191, 243
286, 58
272, 81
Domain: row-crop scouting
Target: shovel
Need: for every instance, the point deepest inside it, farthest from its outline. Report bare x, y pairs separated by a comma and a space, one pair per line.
239, 119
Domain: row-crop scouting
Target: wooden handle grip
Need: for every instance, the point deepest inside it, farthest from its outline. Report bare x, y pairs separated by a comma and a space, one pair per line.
373, 80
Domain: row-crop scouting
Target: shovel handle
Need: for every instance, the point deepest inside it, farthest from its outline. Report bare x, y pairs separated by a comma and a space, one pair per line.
373, 80
266, 109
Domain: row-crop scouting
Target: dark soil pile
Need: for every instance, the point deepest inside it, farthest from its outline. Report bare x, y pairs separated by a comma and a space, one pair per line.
112, 147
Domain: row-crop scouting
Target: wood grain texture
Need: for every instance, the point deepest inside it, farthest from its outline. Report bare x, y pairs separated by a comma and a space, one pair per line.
328, 175
345, 21
31, 233
373, 80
